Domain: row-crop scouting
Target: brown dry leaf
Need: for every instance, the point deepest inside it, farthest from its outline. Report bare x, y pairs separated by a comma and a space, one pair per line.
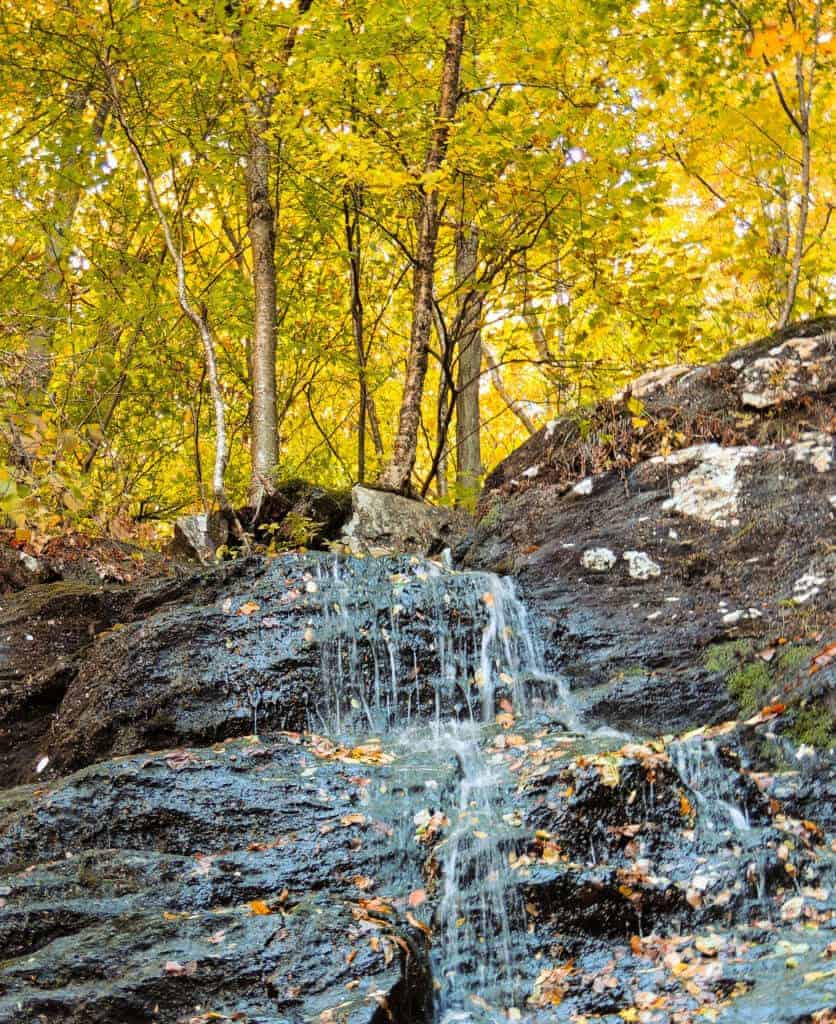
822, 659
417, 897
177, 760
413, 920
550, 986
375, 905
353, 819
363, 882
178, 969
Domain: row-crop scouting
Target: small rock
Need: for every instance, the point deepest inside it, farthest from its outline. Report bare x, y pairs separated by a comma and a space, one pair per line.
382, 522
583, 488
598, 559
807, 587
641, 566
198, 537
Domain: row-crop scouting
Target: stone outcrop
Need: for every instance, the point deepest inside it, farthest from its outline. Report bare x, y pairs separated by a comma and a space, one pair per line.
663, 574
383, 523
248, 795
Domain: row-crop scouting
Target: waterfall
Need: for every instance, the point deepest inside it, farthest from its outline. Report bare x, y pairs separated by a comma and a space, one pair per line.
426, 655
712, 784
469, 640
474, 957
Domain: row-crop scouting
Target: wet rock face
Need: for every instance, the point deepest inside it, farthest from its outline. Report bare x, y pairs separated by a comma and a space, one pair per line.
245, 879
44, 631
642, 561
287, 643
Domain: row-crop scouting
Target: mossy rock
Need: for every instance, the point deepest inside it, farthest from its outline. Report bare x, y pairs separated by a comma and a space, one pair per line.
754, 682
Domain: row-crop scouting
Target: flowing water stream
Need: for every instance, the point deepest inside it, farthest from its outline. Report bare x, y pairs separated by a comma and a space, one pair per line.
437, 692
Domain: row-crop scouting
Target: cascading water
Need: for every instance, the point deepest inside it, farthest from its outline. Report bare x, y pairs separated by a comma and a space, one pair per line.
480, 912
426, 656
476, 651
474, 636
713, 786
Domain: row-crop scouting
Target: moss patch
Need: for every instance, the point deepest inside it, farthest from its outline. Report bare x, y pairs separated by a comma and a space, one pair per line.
726, 657
814, 725
753, 683
751, 686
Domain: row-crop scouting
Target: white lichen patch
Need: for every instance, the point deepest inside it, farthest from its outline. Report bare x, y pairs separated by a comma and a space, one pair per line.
807, 587
799, 366
598, 559
732, 618
641, 566
710, 490
816, 449
583, 488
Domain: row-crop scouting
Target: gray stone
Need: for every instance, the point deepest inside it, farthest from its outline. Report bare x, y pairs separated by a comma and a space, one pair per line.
598, 559
641, 566
198, 537
385, 523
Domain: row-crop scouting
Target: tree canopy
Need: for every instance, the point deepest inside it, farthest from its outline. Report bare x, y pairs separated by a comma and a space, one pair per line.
262, 239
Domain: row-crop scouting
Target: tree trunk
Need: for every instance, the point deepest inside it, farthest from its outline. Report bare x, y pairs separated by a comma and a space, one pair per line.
197, 317
262, 232
803, 125
367, 414
468, 447
396, 475
37, 369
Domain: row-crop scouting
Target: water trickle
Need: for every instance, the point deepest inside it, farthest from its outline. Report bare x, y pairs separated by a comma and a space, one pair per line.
426, 656
714, 787
469, 639
480, 913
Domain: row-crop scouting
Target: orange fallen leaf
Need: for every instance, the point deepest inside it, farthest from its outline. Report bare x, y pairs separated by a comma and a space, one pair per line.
248, 607
417, 897
259, 907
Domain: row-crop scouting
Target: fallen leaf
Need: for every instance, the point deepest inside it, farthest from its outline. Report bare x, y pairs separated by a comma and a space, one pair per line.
259, 907
178, 969
248, 607
417, 897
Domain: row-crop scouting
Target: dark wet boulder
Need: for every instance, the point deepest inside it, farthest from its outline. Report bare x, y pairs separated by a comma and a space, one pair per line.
247, 879
671, 535
294, 642
44, 631
301, 514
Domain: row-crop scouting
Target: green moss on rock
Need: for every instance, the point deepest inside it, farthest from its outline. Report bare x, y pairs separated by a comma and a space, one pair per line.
814, 725
751, 685
726, 657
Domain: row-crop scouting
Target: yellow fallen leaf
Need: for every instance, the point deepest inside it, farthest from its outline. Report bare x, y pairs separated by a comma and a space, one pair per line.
259, 907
